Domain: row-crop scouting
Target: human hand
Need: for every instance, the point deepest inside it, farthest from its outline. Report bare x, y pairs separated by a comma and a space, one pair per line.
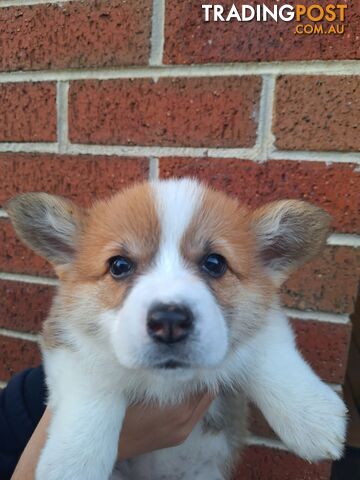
148, 428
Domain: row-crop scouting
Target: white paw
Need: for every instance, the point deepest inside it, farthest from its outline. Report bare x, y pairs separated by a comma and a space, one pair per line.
317, 430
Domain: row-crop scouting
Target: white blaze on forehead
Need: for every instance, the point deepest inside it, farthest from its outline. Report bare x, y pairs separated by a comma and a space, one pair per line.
171, 280
176, 202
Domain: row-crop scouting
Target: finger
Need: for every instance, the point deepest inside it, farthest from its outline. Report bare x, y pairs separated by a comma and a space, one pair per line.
201, 407
200, 398
192, 403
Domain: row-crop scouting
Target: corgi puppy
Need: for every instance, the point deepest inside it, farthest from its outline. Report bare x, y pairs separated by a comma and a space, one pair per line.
166, 289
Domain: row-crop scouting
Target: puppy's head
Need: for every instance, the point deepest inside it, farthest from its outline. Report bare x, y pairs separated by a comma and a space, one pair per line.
168, 274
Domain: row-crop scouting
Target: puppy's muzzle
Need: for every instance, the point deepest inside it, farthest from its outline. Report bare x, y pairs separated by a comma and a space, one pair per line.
169, 323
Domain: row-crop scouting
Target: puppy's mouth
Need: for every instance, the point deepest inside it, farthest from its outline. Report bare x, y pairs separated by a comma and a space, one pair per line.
172, 365
169, 357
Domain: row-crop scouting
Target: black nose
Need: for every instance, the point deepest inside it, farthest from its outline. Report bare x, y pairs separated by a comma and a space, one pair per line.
169, 323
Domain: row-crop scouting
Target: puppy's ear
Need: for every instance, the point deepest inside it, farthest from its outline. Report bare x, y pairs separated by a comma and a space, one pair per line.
288, 233
46, 223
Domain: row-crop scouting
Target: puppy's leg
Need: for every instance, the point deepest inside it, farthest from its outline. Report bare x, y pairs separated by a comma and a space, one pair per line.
84, 431
307, 414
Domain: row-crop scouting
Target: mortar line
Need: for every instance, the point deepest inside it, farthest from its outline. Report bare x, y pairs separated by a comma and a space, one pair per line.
313, 156
265, 137
255, 440
28, 147
62, 91
307, 68
153, 168
18, 277
236, 153
24, 3
344, 239
317, 316
135, 151
31, 337
246, 153
157, 33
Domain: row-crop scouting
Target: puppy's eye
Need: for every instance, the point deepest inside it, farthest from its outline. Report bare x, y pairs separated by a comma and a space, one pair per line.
120, 266
214, 265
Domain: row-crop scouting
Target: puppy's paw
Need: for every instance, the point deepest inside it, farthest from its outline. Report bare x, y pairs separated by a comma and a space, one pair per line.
317, 430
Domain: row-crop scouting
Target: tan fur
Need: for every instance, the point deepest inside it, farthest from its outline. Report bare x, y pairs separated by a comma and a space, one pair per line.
222, 226
127, 225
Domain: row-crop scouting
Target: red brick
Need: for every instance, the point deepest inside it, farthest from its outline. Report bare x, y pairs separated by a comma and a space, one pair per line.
189, 39
16, 355
194, 112
334, 187
105, 33
15, 257
260, 463
257, 425
329, 283
317, 113
24, 306
325, 346
27, 112
82, 178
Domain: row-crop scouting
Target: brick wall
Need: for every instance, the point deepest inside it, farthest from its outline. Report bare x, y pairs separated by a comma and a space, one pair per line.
97, 94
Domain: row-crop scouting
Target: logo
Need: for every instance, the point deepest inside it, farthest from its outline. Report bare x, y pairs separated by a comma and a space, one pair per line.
311, 19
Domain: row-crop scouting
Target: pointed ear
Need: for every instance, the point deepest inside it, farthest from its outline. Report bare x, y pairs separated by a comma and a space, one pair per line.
289, 233
46, 223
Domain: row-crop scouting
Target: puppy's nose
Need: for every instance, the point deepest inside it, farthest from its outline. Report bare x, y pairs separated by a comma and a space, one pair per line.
169, 323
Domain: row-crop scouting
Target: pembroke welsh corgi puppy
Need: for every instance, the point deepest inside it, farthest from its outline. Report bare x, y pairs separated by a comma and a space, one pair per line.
166, 289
